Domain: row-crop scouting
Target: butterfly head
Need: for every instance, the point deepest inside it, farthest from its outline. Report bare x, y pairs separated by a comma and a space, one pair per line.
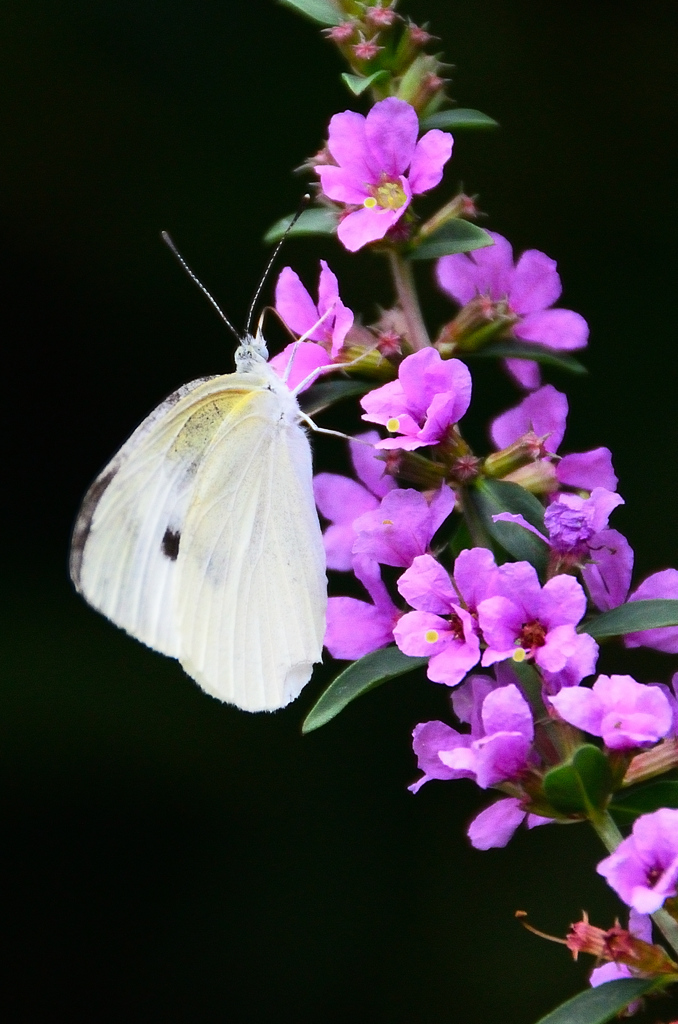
251, 351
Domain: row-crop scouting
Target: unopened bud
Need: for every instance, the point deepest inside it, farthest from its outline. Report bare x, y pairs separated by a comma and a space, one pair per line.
419, 36
366, 49
656, 761
380, 17
413, 468
537, 478
526, 450
340, 34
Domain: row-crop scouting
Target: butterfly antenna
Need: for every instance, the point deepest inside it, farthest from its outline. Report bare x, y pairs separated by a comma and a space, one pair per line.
175, 252
305, 200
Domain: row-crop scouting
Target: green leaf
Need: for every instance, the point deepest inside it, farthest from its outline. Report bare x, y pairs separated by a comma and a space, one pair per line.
358, 85
490, 497
455, 235
521, 350
461, 117
598, 1005
629, 803
360, 677
582, 785
322, 396
316, 221
632, 618
322, 11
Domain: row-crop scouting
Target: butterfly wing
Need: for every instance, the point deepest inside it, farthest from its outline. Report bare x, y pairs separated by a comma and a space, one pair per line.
206, 508
252, 587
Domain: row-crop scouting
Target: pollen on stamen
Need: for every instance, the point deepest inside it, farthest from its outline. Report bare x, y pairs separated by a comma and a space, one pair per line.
431, 635
519, 655
370, 202
393, 424
387, 522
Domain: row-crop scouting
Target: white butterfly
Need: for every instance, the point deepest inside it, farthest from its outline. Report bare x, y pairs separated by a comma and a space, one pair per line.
201, 538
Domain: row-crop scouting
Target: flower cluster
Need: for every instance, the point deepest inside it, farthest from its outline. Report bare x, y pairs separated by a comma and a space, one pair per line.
498, 569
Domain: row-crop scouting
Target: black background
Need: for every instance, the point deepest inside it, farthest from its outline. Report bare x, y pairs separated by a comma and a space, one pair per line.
167, 858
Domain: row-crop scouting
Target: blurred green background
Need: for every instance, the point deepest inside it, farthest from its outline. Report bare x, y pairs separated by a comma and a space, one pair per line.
167, 858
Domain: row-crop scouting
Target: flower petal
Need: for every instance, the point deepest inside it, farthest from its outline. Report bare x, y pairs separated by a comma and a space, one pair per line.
391, 130
366, 225
348, 145
535, 283
430, 156
494, 826
341, 185
559, 329
296, 306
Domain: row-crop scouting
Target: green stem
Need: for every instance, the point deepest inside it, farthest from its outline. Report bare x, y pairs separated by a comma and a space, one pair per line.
611, 837
403, 279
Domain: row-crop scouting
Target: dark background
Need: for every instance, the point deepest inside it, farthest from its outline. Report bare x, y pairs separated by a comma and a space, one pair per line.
167, 858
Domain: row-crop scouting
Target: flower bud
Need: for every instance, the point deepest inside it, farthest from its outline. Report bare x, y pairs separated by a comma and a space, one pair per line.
526, 450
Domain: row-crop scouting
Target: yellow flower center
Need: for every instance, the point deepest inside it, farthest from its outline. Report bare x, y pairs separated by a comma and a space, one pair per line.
519, 655
393, 424
430, 636
389, 195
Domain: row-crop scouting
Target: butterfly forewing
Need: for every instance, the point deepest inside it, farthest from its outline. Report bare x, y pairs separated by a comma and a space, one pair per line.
200, 538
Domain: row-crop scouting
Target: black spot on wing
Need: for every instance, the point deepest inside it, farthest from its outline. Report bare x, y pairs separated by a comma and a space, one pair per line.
170, 544
83, 524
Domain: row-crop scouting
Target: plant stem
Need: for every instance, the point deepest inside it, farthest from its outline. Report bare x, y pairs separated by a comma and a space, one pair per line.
403, 279
611, 837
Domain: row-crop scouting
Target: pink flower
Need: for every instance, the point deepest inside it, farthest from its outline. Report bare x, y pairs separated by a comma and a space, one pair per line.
429, 396
373, 154
402, 527
300, 313
451, 643
531, 621
494, 826
355, 628
525, 291
625, 713
643, 870
342, 500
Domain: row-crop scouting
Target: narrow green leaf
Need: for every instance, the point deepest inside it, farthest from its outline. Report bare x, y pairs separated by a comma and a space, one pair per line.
490, 497
582, 785
598, 1005
632, 618
628, 804
322, 396
316, 221
522, 350
461, 117
360, 677
323, 12
358, 85
456, 235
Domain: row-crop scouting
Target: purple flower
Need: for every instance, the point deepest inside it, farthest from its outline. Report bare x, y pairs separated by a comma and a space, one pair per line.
608, 573
502, 752
373, 154
451, 643
300, 313
494, 751
306, 356
495, 825
573, 522
525, 291
538, 622
643, 870
587, 470
660, 584
403, 526
429, 396
355, 628
342, 500
544, 412
625, 713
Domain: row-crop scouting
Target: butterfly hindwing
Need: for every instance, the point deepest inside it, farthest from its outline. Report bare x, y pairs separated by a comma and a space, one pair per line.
253, 589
